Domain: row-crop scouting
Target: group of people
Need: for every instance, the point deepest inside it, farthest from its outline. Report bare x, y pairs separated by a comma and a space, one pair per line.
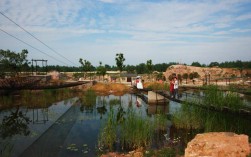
174, 85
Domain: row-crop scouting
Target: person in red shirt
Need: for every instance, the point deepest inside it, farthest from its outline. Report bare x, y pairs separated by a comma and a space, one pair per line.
172, 88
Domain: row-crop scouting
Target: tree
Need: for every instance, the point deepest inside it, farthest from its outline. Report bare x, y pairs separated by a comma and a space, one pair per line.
101, 70
130, 69
180, 78
191, 76
212, 64
86, 65
196, 64
149, 67
160, 76
141, 68
12, 62
185, 76
120, 61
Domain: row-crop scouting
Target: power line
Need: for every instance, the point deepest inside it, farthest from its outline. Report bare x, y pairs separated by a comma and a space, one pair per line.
32, 46
36, 38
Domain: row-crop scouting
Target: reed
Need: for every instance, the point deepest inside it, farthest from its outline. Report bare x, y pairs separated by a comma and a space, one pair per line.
160, 121
133, 132
136, 131
219, 99
113, 102
107, 136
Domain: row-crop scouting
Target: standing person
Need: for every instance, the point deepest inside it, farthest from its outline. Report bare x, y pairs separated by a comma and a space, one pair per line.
171, 88
176, 86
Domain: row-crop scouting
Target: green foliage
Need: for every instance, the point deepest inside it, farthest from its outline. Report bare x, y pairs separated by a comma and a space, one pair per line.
159, 86
12, 63
197, 64
191, 116
107, 135
186, 118
160, 76
149, 66
114, 102
78, 75
219, 99
120, 61
101, 70
194, 75
89, 99
160, 121
136, 131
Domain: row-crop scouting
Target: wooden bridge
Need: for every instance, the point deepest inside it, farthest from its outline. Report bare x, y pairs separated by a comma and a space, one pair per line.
34, 82
161, 96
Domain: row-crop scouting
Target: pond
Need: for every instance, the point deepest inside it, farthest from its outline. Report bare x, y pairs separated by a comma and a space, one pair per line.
72, 124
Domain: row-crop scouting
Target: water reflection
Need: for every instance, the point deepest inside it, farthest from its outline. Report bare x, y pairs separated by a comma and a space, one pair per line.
15, 123
195, 119
75, 121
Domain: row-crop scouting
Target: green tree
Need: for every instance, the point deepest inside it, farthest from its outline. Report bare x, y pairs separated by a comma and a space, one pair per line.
120, 61
149, 67
101, 70
196, 64
86, 66
141, 68
185, 76
13, 63
212, 64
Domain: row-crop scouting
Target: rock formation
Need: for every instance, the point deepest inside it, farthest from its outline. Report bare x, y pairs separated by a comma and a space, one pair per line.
214, 72
221, 144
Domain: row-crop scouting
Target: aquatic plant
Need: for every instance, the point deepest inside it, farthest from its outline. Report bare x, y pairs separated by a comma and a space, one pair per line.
194, 117
114, 102
136, 131
220, 99
133, 132
187, 118
160, 121
89, 98
107, 135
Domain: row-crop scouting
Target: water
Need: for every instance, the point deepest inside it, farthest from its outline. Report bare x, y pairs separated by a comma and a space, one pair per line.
70, 125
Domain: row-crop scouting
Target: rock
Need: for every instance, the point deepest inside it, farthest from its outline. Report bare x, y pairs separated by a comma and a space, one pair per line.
218, 144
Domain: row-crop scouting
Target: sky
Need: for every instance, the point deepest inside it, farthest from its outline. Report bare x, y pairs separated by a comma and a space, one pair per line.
182, 31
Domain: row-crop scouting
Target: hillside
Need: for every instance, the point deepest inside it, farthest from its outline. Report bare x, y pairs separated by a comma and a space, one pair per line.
214, 72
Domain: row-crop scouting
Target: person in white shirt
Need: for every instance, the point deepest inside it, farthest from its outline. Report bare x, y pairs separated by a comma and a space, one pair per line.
176, 86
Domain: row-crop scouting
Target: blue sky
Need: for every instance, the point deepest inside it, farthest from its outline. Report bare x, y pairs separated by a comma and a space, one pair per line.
161, 30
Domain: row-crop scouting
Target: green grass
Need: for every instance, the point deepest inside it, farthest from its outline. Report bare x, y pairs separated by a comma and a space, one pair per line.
159, 86
107, 136
219, 99
135, 131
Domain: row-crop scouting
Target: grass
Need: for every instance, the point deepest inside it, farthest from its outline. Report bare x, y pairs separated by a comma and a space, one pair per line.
219, 99
194, 117
156, 86
135, 131
107, 136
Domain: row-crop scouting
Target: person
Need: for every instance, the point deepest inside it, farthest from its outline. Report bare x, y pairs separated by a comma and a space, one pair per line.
139, 84
171, 88
175, 87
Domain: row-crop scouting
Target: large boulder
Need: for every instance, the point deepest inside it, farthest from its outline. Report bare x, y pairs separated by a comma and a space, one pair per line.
218, 144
